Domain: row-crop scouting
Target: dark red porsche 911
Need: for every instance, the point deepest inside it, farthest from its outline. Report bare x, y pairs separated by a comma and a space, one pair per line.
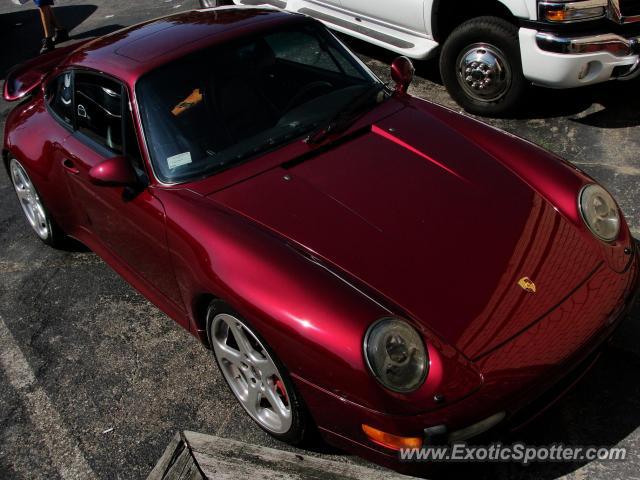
358, 260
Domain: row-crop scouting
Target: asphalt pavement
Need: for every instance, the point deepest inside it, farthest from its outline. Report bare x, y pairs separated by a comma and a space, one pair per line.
95, 381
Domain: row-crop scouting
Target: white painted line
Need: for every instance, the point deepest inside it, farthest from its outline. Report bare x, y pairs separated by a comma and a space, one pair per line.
64, 453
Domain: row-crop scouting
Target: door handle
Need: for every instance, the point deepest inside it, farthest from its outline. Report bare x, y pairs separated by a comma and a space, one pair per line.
69, 166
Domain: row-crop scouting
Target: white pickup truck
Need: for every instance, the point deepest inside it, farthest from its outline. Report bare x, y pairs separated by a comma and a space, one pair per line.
491, 50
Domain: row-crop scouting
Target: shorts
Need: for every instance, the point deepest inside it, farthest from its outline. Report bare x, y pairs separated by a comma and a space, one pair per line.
43, 3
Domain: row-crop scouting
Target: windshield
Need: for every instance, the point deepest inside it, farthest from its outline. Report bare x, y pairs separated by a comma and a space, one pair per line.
218, 107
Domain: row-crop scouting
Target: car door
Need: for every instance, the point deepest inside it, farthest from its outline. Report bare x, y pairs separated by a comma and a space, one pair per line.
58, 101
130, 222
407, 14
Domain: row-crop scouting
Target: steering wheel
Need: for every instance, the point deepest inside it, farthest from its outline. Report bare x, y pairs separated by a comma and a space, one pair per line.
306, 91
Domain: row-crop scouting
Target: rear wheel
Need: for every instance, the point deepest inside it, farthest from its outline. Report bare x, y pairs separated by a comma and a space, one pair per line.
33, 207
481, 67
255, 376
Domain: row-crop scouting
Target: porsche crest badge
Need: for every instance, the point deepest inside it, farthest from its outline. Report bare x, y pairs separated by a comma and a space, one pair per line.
527, 285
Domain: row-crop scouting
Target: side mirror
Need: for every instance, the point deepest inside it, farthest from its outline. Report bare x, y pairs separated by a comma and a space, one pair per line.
114, 172
402, 72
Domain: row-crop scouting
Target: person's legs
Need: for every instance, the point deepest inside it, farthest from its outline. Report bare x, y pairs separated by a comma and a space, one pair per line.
54, 32
47, 26
45, 18
61, 33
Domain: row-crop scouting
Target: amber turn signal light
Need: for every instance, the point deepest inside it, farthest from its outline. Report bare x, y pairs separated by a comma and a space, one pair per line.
394, 442
559, 15
570, 12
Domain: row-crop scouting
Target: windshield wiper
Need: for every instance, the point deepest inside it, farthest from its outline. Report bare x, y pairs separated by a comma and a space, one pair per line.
266, 145
347, 115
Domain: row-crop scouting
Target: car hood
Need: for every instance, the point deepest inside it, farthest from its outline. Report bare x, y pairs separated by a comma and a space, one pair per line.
430, 222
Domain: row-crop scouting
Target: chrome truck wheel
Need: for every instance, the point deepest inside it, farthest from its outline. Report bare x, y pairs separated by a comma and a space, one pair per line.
484, 72
481, 66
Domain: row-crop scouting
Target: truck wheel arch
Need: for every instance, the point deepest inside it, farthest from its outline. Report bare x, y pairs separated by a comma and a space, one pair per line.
446, 15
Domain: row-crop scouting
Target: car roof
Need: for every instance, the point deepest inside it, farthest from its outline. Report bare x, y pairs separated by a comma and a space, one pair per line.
131, 52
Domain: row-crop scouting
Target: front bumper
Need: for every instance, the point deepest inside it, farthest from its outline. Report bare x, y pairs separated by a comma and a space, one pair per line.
559, 61
521, 378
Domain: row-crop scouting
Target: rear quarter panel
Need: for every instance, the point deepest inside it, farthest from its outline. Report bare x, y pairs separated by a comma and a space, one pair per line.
33, 137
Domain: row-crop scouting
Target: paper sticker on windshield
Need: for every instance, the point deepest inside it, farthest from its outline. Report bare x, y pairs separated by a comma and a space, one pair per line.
179, 160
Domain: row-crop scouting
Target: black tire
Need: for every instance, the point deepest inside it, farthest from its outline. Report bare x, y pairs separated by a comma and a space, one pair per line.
55, 236
501, 37
214, 3
302, 429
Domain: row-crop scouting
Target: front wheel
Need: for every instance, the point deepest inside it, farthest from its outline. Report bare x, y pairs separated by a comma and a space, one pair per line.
481, 67
255, 376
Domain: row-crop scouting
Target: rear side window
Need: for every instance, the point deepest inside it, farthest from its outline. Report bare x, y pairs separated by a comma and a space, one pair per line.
60, 97
99, 106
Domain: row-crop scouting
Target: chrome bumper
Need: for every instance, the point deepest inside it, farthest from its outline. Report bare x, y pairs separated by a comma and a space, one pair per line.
611, 43
607, 42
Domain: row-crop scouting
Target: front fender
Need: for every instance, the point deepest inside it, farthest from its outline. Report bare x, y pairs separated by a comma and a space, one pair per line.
312, 318
525, 9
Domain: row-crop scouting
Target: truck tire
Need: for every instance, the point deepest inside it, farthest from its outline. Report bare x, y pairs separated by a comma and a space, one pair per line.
214, 3
481, 66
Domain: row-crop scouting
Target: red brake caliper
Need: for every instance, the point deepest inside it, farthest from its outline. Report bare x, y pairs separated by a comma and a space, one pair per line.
281, 390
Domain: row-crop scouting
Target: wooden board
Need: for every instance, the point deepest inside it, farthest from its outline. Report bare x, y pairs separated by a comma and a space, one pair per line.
177, 463
195, 456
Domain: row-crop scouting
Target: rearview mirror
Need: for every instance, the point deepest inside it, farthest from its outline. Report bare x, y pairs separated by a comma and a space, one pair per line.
114, 172
402, 72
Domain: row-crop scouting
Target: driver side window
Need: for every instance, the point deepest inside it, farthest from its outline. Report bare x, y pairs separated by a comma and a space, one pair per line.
103, 114
98, 109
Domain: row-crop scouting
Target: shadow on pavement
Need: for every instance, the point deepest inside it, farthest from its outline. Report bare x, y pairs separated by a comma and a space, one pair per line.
614, 104
21, 32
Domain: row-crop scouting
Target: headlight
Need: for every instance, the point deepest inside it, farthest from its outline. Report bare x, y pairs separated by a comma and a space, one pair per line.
571, 11
396, 355
600, 212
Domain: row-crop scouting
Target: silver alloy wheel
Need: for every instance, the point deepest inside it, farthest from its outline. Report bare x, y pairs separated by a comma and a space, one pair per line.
484, 72
29, 200
251, 373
